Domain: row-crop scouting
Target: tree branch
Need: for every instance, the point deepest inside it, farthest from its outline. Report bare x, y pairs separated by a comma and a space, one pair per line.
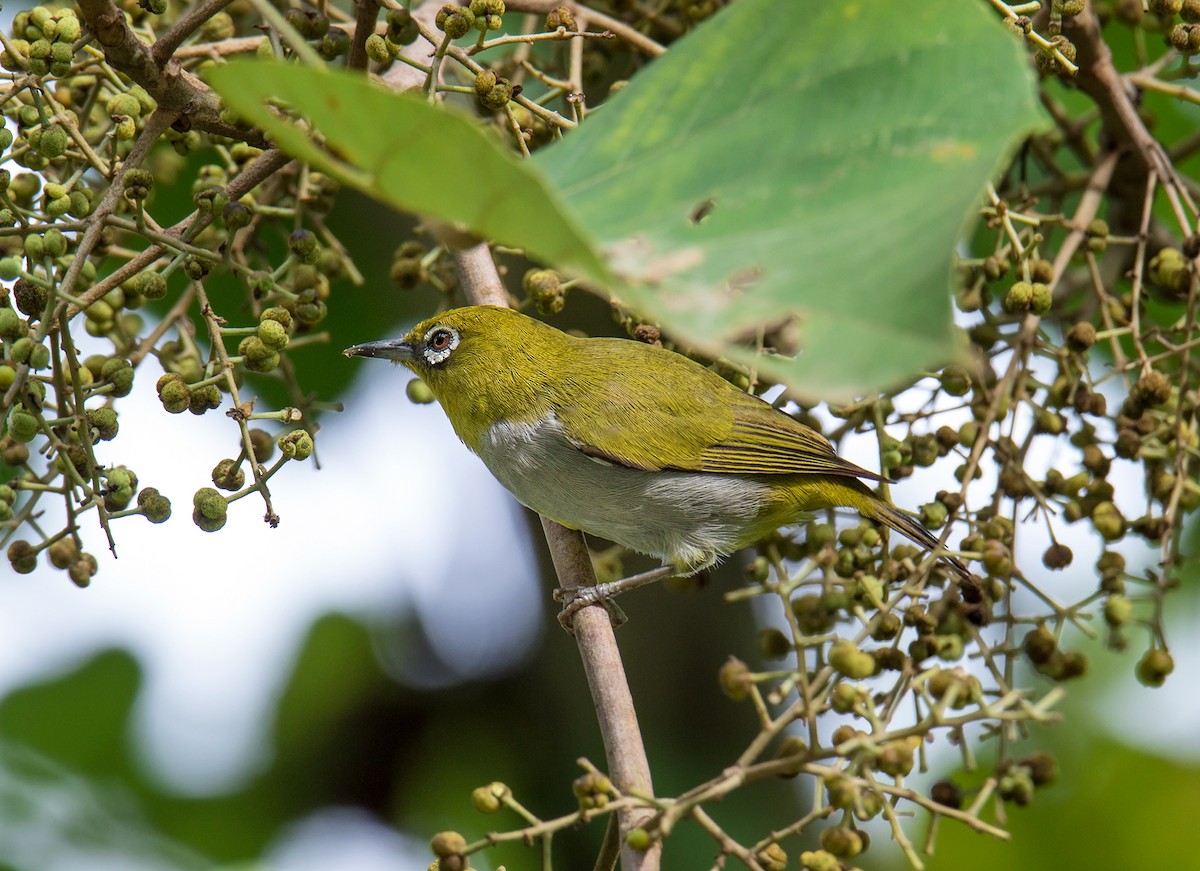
366, 14
164, 47
173, 88
627, 763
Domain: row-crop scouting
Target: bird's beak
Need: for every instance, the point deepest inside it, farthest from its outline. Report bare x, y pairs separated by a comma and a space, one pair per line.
396, 350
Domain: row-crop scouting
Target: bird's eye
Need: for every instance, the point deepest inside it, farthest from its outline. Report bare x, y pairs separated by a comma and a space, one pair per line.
439, 343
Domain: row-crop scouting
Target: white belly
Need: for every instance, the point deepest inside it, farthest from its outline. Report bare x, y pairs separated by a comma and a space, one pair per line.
689, 519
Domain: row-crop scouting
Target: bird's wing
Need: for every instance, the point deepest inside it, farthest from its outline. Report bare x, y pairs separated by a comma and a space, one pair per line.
765, 441
701, 424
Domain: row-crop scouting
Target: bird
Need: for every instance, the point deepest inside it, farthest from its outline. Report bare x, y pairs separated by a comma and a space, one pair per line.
632, 442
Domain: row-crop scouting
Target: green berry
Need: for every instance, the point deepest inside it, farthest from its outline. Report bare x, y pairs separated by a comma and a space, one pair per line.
1041, 299
561, 16
228, 476
79, 205
12, 325
204, 399
401, 28
847, 659
272, 334
296, 445
544, 287
377, 49
445, 844
1154, 667
454, 21
53, 142
154, 505
10, 269
104, 422
210, 503
237, 216
418, 392
1117, 611
257, 356
489, 799
150, 285
735, 679
278, 314
68, 28
22, 556
333, 44
22, 426
174, 393
124, 104
1019, 297
304, 246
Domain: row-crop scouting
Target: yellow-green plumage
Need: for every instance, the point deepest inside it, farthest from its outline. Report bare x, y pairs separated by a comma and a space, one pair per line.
629, 441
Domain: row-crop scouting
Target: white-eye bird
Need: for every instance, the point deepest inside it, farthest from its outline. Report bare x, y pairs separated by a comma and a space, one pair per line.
631, 442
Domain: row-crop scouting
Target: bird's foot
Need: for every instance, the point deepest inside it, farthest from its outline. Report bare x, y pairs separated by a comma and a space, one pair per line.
603, 594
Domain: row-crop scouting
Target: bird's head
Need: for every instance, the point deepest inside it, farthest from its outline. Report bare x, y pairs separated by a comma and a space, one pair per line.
483, 363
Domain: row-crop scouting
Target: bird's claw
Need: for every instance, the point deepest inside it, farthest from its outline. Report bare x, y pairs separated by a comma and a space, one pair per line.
575, 600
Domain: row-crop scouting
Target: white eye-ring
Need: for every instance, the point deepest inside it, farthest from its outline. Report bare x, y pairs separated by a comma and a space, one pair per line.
439, 342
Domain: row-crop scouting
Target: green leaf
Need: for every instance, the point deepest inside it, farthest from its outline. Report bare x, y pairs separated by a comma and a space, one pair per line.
414, 156
837, 148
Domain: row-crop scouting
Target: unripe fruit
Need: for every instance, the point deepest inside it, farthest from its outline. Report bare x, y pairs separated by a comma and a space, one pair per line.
103, 421
173, 392
1019, 297
272, 334
22, 556
819, 860
258, 357
124, 104
228, 476
22, 426
841, 842
454, 21
263, 445
1117, 611
1041, 298
401, 28
63, 552
847, 659
155, 506
377, 49
489, 799
1040, 645
947, 793
418, 392
1057, 556
53, 142
296, 445
1081, 336
447, 844
210, 509
773, 644
12, 325
560, 16
1154, 667
734, 677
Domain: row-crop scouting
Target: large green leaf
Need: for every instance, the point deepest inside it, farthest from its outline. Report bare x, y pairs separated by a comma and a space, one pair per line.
839, 147
835, 148
412, 155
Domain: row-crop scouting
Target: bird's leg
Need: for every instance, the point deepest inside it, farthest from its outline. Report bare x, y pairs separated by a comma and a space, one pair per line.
604, 594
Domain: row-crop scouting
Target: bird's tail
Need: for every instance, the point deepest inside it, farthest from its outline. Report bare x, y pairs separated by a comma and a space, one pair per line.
812, 492
912, 529
969, 586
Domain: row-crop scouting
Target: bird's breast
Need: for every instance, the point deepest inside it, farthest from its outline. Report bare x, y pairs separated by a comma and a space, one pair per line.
686, 518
